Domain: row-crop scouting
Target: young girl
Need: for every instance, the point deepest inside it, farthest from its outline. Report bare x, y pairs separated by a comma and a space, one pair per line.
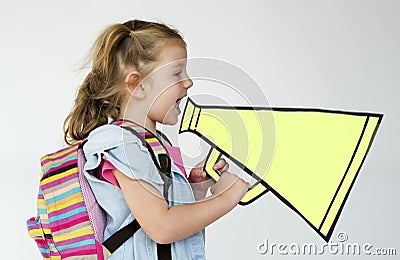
139, 74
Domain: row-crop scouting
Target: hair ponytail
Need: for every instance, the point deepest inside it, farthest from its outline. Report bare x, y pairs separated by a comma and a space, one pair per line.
90, 110
136, 44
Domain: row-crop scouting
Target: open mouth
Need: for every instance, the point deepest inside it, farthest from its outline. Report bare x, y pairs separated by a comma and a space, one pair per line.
178, 101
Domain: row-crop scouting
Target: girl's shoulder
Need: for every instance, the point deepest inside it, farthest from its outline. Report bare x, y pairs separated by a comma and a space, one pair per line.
111, 132
124, 150
106, 137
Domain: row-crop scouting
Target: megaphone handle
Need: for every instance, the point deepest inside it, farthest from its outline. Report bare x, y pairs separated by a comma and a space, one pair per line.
251, 195
212, 158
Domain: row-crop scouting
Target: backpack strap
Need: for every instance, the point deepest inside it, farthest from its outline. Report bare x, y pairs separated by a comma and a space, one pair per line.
161, 159
158, 152
164, 137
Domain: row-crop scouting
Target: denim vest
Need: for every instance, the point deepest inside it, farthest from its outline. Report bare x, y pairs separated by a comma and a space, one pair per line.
126, 152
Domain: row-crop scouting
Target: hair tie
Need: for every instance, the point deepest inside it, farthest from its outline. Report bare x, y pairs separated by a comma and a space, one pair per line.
131, 34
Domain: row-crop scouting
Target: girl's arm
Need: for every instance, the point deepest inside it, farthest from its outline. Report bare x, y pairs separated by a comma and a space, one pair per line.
165, 225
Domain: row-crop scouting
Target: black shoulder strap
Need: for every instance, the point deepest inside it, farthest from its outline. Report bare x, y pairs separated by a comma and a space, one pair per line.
122, 235
164, 137
163, 163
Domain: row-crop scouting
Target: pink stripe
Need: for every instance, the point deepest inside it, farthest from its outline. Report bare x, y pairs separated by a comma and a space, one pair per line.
75, 239
68, 222
59, 181
41, 243
59, 157
34, 225
154, 144
46, 226
54, 254
118, 123
72, 220
46, 255
79, 251
33, 221
99, 249
38, 226
64, 210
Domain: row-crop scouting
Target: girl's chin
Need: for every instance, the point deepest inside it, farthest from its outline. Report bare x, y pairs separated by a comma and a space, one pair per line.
170, 119
170, 122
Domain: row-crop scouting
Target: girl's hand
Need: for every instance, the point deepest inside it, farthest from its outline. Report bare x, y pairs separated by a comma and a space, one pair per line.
231, 185
199, 179
197, 174
221, 165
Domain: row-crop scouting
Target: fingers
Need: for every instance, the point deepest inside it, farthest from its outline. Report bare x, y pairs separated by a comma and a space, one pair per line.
197, 175
221, 165
225, 168
197, 172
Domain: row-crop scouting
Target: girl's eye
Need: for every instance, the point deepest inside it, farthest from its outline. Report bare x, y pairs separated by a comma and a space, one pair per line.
178, 73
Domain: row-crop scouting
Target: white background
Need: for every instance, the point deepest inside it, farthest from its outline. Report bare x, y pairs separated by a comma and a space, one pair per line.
327, 54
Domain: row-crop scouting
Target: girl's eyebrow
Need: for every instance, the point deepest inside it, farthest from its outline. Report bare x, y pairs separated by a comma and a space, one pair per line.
178, 65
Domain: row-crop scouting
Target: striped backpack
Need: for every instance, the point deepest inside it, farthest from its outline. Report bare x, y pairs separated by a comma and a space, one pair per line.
69, 222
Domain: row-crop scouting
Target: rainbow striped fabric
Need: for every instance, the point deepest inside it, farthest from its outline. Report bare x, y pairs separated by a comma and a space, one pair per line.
63, 227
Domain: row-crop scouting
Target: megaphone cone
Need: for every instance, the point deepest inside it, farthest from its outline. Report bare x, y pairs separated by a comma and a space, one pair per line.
308, 158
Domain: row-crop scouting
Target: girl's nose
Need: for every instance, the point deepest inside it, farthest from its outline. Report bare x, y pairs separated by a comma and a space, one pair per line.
188, 83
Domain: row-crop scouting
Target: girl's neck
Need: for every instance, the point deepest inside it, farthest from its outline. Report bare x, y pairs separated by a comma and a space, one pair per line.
137, 112
138, 116
150, 125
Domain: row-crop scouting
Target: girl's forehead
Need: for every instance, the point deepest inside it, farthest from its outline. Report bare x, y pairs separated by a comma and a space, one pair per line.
173, 56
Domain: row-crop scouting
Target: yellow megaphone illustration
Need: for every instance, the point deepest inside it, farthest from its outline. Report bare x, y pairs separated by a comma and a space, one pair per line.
308, 158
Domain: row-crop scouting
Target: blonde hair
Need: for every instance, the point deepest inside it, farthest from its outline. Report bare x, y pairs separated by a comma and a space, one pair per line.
135, 43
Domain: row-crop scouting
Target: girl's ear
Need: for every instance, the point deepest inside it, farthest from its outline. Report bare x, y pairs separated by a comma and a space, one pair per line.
133, 86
